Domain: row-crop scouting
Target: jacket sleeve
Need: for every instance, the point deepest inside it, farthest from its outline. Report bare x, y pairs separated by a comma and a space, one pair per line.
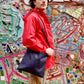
29, 38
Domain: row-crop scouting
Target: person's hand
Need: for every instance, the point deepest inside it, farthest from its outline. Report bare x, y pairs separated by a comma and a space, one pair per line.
49, 51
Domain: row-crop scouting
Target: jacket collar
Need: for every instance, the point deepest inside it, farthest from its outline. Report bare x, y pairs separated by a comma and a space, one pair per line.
38, 11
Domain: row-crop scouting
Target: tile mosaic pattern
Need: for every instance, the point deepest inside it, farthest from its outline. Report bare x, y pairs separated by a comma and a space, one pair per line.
67, 25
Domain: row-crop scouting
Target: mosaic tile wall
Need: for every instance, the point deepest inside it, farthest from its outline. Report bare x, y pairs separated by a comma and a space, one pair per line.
67, 25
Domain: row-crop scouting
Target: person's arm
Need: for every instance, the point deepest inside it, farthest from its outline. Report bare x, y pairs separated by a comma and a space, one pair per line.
29, 38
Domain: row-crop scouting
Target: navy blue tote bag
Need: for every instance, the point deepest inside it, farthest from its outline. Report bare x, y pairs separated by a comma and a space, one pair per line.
34, 62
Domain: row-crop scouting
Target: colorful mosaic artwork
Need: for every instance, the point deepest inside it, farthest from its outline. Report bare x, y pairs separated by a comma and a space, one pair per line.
67, 26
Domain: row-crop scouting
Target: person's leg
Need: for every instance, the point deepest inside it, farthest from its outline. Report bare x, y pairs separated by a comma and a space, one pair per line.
42, 80
39, 80
45, 76
32, 79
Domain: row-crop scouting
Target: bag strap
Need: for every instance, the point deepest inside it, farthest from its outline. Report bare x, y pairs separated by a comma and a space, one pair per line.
44, 31
45, 37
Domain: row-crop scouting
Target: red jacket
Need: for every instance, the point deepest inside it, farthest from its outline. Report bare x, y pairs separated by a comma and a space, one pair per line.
33, 36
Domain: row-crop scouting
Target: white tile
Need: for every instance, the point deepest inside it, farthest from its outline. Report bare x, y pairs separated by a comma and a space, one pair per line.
2, 77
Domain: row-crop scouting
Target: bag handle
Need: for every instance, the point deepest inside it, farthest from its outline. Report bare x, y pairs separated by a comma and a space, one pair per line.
44, 31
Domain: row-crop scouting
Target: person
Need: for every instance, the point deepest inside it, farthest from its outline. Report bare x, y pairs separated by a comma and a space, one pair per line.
34, 38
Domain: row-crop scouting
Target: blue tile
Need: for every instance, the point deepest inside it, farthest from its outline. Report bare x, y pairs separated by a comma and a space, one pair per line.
75, 76
74, 73
68, 81
0, 68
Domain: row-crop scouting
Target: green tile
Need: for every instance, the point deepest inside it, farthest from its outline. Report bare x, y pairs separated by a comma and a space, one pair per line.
2, 82
77, 71
67, 70
72, 80
57, 82
2, 73
71, 68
